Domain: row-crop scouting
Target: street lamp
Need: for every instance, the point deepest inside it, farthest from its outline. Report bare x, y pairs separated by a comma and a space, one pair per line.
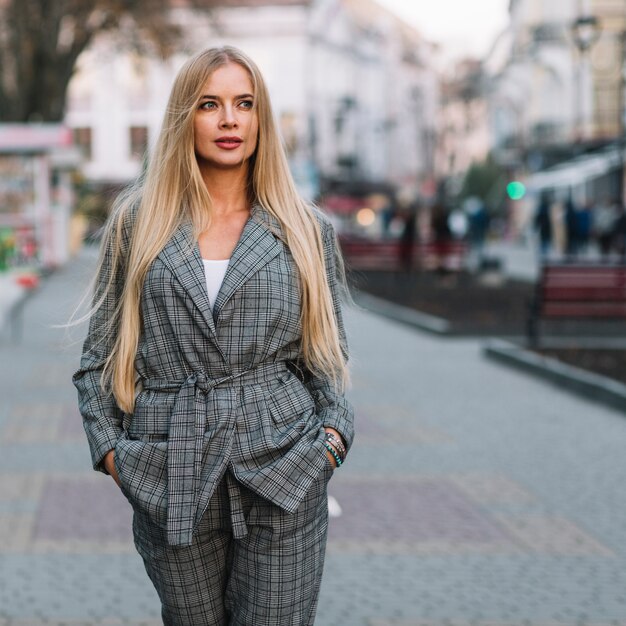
622, 114
586, 30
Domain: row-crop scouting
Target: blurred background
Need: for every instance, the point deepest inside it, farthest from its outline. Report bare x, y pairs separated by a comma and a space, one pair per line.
436, 138
472, 158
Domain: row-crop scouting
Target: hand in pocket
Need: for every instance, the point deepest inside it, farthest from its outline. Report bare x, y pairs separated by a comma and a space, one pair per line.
109, 464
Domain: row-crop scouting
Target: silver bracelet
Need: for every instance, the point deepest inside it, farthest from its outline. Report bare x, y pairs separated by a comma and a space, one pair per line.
334, 441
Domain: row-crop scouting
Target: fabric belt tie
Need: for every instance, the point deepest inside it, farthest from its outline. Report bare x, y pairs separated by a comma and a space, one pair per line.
186, 440
235, 504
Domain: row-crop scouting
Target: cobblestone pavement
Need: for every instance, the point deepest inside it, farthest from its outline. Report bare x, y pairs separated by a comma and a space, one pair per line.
474, 495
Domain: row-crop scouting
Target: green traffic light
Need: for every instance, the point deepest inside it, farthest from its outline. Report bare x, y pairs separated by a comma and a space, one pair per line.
516, 190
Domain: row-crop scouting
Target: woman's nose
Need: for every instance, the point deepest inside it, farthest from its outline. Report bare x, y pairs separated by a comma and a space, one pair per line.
228, 117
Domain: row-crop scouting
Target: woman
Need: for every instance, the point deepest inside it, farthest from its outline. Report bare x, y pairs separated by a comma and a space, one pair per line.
211, 380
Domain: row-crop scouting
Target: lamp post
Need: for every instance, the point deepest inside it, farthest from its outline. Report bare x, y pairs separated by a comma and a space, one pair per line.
585, 30
621, 140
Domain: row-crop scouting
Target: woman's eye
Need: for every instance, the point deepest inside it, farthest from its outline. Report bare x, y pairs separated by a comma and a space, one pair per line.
247, 104
208, 105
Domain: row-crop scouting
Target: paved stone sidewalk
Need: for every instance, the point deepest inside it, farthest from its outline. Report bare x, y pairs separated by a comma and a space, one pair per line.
474, 496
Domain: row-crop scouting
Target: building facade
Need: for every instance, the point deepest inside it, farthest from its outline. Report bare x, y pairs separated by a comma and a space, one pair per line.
354, 91
557, 95
464, 135
537, 95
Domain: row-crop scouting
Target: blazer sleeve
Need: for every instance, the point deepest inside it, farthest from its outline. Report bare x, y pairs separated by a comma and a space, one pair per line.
102, 418
331, 404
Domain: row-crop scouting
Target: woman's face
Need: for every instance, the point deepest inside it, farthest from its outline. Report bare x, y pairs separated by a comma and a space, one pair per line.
226, 125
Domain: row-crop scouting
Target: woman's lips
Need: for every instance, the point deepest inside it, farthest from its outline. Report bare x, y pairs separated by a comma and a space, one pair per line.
228, 144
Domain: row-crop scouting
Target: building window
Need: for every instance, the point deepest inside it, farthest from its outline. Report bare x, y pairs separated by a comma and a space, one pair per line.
607, 109
548, 32
82, 138
138, 141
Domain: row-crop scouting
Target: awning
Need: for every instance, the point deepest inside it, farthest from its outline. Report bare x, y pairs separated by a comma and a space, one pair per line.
576, 171
34, 138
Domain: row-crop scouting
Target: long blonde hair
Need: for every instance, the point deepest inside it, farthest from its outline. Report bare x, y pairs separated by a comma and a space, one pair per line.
172, 189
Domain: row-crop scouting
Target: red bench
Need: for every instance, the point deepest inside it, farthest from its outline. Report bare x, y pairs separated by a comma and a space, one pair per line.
571, 291
388, 254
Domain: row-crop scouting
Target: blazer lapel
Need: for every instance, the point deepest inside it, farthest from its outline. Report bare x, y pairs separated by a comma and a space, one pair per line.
256, 247
182, 256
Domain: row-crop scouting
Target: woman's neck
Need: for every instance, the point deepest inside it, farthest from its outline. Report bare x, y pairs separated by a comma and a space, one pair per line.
227, 188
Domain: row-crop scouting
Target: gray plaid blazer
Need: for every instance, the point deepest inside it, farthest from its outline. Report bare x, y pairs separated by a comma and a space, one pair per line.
215, 391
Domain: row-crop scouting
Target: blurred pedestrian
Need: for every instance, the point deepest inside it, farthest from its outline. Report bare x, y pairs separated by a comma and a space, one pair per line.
211, 379
572, 233
442, 235
543, 225
619, 233
387, 214
604, 217
478, 228
559, 233
584, 227
408, 238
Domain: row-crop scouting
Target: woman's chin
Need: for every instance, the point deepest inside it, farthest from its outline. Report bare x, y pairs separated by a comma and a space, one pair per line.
225, 163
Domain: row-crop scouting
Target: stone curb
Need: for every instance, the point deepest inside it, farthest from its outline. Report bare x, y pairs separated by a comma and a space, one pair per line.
403, 314
587, 384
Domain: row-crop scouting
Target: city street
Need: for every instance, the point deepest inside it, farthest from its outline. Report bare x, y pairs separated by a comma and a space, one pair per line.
474, 495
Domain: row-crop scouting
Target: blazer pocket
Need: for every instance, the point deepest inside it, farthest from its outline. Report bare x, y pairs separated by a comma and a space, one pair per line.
150, 423
142, 470
289, 402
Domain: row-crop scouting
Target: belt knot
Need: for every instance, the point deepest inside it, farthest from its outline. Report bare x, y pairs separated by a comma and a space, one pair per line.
206, 384
200, 380
186, 439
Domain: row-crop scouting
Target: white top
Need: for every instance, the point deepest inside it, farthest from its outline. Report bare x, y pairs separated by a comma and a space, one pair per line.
214, 271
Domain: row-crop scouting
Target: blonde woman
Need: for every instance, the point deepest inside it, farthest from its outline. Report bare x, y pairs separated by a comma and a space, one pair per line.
211, 382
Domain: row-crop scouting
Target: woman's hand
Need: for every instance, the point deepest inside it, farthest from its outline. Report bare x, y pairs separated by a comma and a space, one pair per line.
109, 464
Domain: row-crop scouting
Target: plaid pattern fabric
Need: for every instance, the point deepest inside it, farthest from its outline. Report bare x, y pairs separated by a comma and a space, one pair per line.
270, 576
216, 391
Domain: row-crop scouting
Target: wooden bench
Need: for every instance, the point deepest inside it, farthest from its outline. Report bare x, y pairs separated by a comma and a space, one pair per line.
388, 254
574, 291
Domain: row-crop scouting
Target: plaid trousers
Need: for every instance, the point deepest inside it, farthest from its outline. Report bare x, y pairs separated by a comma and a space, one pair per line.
269, 576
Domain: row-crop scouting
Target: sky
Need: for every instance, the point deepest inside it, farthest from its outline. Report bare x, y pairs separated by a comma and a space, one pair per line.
464, 28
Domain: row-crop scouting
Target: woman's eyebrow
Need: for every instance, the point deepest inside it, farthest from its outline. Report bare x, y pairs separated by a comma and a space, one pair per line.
210, 97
